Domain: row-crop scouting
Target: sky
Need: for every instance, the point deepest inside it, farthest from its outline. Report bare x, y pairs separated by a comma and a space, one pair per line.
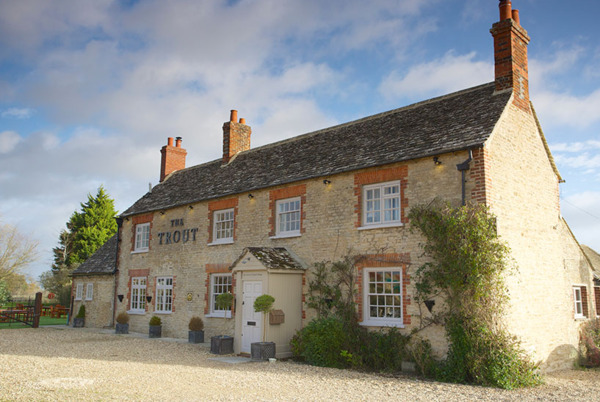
90, 90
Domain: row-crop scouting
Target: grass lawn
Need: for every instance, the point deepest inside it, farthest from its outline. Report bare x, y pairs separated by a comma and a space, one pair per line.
43, 321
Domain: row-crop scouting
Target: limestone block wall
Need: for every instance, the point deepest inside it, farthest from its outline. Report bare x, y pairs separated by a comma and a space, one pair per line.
522, 190
98, 310
330, 229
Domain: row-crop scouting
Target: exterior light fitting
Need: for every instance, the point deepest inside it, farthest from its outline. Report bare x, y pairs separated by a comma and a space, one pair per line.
326, 181
149, 298
120, 297
437, 161
250, 196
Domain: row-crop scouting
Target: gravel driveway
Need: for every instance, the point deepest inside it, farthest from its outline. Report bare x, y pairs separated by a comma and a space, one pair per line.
85, 364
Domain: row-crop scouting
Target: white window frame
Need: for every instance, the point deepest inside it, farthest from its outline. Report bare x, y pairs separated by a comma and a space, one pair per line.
139, 284
578, 302
164, 295
217, 287
369, 291
221, 217
89, 292
374, 209
142, 237
286, 212
79, 292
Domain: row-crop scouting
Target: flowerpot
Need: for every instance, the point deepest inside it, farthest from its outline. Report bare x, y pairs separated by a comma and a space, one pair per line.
78, 322
196, 336
262, 351
121, 328
221, 344
154, 331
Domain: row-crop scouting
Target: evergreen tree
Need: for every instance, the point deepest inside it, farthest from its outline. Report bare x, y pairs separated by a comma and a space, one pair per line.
87, 230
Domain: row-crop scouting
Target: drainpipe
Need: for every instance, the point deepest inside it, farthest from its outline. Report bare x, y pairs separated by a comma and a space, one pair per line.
116, 284
463, 167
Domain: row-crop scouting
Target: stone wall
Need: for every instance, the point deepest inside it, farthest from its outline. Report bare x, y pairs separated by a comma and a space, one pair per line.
523, 194
98, 310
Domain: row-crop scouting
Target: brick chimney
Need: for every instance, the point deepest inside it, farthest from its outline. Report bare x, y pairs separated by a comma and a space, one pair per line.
173, 158
510, 54
236, 137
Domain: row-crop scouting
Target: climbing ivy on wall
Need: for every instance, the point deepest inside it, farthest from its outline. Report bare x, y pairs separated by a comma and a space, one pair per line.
468, 263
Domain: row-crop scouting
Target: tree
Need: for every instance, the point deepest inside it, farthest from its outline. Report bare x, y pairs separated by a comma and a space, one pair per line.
86, 231
16, 251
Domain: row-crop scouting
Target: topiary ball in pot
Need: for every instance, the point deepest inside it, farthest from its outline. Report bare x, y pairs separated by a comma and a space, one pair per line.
155, 327
122, 326
196, 333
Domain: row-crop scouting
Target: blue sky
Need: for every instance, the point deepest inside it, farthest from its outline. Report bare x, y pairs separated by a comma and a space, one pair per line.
90, 90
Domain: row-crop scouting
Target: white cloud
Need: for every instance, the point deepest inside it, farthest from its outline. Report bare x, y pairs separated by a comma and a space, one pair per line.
8, 141
450, 73
575, 146
18, 113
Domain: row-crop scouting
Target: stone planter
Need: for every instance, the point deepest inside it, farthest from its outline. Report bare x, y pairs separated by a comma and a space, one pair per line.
262, 351
121, 328
196, 336
221, 345
78, 322
155, 331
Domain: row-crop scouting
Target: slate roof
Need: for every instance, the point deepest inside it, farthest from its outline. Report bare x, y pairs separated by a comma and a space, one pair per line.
102, 262
273, 258
594, 259
458, 121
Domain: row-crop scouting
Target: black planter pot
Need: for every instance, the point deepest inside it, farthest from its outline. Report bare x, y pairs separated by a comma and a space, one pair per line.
155, 331
121, 328
78, 322
221, 345
262, 350
196, 336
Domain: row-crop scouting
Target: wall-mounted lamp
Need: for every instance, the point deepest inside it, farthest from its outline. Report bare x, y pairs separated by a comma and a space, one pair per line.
437, 161
127, 219
162, 212
149, 298
326, 181
120, 297
250, 196
429, 304
191, 207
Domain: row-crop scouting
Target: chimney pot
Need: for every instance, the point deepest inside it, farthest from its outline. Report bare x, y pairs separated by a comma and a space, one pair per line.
505, 9
515, 17
178, 142
170, 141
242, 120
233, 116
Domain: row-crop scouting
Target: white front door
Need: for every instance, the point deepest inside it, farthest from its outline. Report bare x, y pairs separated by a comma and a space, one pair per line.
251, 320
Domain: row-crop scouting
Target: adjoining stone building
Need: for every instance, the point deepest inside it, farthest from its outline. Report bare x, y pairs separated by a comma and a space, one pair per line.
256, 220
94, 286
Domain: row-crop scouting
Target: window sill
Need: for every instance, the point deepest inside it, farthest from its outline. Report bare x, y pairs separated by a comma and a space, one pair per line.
136, 312
580, 318
382, 226
140, 251
217, 315
219, 243
372, 323
162, 312
285, 236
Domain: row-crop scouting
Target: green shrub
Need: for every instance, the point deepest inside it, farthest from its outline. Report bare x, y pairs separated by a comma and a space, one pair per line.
321, 343
589, 342
382, 351
155, 321
196, 324
123, 318
81, 312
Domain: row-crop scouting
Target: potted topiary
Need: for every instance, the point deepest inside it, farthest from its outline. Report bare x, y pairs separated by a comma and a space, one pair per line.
222, 344
122, 326
155, 328
263, 350
79, 320
196, 330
